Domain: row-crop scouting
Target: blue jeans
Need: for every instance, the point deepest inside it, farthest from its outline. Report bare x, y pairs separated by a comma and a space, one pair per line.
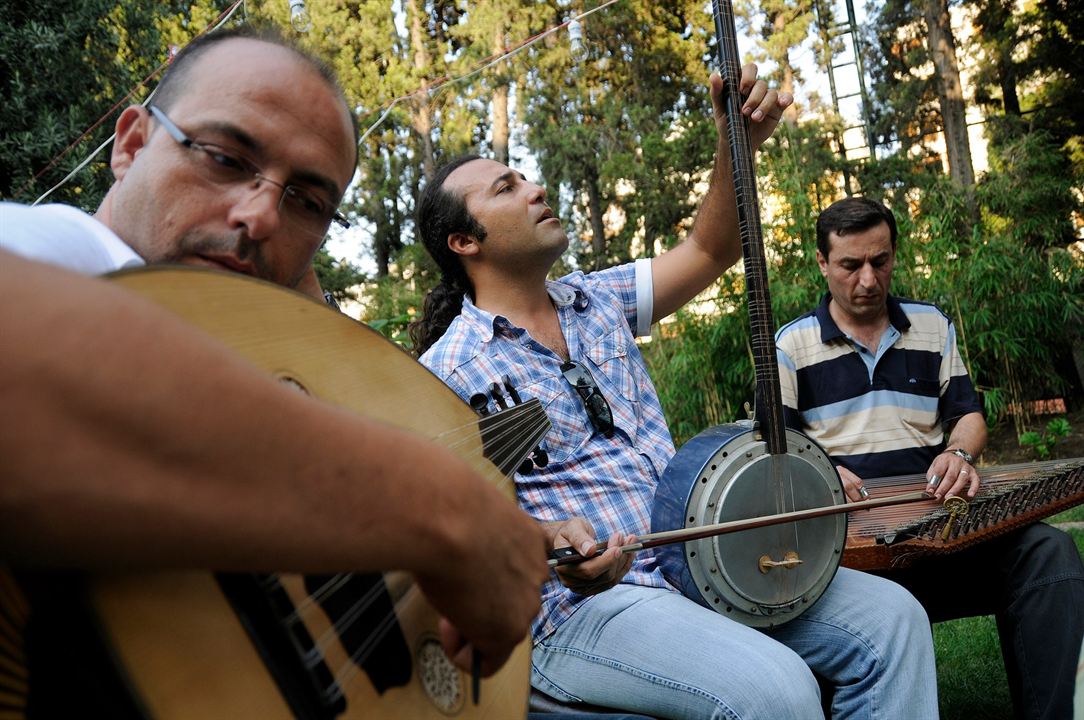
657, 652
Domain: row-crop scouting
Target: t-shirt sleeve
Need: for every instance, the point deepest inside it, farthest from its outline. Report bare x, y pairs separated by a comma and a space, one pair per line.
958, 396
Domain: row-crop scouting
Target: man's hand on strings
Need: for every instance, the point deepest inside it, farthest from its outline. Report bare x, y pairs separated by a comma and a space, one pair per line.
599, 573
950, 474
853, 486
763, 106
487, 580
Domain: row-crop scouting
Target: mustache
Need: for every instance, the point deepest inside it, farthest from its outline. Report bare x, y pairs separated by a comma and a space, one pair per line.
236, 244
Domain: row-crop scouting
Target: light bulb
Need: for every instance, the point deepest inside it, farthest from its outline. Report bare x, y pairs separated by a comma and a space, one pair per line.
575, 38
299, 16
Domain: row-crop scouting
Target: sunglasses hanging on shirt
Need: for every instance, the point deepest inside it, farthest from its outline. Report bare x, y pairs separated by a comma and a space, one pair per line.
598, 410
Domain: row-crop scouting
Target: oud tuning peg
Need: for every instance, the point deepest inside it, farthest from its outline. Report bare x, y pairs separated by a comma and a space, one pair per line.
540, 457
511, 390
495, 392
480, 403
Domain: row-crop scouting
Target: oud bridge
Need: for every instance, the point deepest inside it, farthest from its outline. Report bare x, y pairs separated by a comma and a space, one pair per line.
790, 560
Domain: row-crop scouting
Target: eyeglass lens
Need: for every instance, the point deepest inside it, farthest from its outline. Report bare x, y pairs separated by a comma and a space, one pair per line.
303, 209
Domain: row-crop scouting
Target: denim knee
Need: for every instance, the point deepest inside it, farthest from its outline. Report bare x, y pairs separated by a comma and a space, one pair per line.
789, 688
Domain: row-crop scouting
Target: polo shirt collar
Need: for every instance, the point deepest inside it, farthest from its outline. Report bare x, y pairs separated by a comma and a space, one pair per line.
830, 331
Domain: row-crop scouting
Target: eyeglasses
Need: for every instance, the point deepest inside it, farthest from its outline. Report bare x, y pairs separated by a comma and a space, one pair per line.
598, 410
301, 208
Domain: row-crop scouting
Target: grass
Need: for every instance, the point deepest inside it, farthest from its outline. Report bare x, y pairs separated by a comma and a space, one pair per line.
971, 682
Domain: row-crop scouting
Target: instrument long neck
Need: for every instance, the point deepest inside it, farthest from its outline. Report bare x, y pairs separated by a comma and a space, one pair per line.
769, 399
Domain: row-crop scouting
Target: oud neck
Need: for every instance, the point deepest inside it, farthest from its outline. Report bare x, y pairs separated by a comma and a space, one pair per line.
769, 399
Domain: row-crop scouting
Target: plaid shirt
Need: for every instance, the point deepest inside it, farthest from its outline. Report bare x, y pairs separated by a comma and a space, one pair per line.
610, 482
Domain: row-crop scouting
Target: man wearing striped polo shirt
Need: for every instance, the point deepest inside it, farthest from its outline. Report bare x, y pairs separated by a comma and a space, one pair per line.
878, 380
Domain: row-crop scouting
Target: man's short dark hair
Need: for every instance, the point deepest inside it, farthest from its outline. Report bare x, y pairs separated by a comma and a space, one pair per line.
853, 214
174, 82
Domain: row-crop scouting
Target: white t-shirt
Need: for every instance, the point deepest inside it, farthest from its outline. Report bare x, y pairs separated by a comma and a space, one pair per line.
64, 236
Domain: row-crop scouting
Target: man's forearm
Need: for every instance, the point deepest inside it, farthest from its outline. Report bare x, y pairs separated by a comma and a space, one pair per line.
131, 438
715, 227
968, 434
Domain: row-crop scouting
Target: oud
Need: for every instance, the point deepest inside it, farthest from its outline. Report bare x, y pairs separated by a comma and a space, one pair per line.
213, 645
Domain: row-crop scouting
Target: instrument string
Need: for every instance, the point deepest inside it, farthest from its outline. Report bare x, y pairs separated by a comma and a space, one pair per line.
768, 394
513, 437
996, 482
521, 436
347, 672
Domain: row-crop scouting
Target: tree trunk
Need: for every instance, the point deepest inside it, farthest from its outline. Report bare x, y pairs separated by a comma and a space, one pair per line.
598, 230
421, 114
1006, 75
500, 105
786, 84
943, 50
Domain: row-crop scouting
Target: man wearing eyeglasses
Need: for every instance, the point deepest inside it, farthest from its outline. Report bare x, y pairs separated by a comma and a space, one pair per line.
132, 440
639, 646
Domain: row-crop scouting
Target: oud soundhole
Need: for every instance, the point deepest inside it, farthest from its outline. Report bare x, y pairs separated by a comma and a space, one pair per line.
441, 681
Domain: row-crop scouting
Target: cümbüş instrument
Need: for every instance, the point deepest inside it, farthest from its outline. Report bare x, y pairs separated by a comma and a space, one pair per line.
770, 575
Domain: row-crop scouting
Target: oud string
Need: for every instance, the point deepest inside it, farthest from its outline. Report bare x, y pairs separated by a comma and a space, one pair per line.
515, 439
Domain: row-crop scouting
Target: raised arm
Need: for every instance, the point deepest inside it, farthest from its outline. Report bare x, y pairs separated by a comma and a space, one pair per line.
131, 439
713, 244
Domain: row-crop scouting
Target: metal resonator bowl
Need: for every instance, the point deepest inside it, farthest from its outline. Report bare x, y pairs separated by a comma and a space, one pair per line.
762, 577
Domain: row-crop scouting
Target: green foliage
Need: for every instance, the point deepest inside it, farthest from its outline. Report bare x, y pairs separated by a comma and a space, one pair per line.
394, 300
624, 125
337, 277
621, 129
1042, 443
1029, 192
62, 66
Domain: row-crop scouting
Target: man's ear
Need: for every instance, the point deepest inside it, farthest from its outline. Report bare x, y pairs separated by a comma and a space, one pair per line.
133, 129
823, 263
463, 244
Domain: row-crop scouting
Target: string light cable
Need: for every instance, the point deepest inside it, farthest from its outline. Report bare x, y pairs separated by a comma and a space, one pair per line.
572, 24
212, 26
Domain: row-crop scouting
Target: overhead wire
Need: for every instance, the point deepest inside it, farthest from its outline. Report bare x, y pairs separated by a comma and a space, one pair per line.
212, 26
429, 87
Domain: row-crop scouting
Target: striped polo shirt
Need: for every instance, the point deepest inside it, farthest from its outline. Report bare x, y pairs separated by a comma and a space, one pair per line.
877, 411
